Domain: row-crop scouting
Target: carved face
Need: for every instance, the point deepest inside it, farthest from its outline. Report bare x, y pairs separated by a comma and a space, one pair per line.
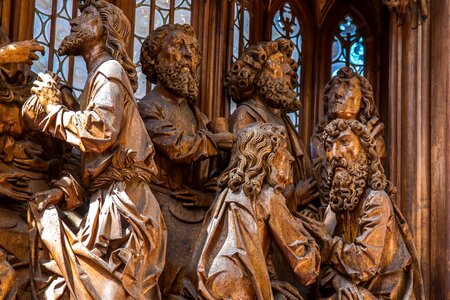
177, 64
179, 47
11, 121
86, 30
347, 145
282, 162
345, 99
347, 170
274, 82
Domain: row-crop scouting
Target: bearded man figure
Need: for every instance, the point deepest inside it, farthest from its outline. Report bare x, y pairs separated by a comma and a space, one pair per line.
119, 250
349, 96
170, 58
367, 248
262, 82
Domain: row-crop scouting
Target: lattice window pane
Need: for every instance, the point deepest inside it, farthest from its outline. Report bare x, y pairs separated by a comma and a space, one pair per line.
241, 32
146, 19
51, 25
286, 25
348, 47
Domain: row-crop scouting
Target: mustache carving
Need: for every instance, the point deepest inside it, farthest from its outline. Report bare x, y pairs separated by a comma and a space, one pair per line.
348, 182
176, 78
278, 93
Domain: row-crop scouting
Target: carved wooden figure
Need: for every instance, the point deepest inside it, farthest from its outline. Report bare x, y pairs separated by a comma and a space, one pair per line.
170, 58
28, 161
262, 82
119, 250
367, 248
248, 214
347, 95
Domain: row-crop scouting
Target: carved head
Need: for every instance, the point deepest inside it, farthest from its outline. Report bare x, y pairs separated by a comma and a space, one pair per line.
353, 164
266, 70
170, 56
349, 95
259, 157
11, 121
103, 22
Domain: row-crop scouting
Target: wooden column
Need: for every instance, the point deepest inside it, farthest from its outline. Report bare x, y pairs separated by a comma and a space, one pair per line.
440, 150
419, 149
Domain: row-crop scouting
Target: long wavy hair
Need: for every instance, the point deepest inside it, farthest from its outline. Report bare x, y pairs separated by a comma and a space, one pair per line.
377, 179
251, 161
117, 35
368, 107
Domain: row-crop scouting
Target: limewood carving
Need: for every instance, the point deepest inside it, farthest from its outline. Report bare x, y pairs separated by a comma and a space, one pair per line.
170, 58
347, 95
106, 198
118, 251
248, 214
262, 82
367, 250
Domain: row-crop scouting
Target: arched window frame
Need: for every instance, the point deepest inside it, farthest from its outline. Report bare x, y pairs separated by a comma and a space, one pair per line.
306, 22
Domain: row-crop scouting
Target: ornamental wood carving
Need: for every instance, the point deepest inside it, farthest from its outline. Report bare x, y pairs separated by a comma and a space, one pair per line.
102, 197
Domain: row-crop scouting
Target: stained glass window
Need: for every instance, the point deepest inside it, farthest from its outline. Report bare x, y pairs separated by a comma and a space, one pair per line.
348, 47
241, 27
151, 14
286, 25
51, 25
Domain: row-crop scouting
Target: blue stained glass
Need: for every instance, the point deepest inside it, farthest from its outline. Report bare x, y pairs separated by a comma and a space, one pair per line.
357, 53
347, 48
347, 27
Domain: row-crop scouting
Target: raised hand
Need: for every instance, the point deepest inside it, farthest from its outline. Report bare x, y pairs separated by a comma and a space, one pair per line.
20, 52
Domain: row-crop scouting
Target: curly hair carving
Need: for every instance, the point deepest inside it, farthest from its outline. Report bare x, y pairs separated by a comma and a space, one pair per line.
152, 46
251, 161
240, 80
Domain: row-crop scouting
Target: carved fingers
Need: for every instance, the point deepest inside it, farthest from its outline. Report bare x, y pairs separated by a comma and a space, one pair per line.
315, 228
15, 186
21, 52
306, 191
44, 199
45, 88
224, 140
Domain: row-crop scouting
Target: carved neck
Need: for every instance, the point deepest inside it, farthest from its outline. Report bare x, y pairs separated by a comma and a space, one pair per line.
161, 89
96, 56
260, 101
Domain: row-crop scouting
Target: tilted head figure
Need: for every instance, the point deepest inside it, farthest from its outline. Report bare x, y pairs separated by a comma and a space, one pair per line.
266, 70
349, 95
11, 121
100, 20
353, 164
170, 55
258, 156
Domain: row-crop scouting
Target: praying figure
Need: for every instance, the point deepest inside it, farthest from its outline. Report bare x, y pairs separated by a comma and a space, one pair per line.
248, 214
366, 247
118, 251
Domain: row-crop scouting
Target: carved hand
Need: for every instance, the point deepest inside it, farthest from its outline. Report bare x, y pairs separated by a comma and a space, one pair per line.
20, 52
316, 229
45, 198
26, 149
15, 186
224, 140
306, 191
345, 289
194, 198
45, 88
